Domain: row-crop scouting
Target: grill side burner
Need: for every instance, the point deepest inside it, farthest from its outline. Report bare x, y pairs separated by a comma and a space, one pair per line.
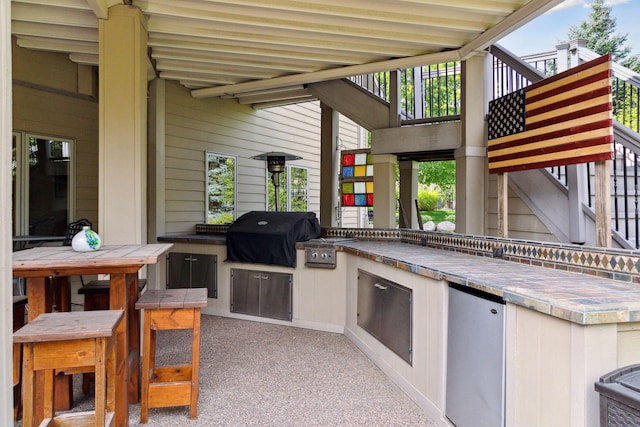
323, 256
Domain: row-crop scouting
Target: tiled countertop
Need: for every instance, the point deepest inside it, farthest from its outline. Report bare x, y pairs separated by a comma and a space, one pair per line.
579, 298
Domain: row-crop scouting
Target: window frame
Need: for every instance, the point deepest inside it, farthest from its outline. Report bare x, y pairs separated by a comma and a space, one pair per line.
285, 186
235, 182
22, 181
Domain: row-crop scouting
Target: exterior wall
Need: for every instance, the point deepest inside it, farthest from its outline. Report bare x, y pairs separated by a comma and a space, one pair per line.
195, 126
45, 101
523, 223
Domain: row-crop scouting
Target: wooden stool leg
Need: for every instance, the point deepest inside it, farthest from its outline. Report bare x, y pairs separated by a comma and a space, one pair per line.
111, 375
28, 405
17, 386
101, 382
49, 397
195, 364
147, 349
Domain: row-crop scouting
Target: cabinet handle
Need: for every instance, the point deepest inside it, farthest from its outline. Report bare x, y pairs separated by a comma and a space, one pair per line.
265, 277
379, 286
257, 276
194, 259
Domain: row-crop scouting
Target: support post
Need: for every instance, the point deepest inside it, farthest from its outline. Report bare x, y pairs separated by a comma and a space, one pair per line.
384, 187
122, 175
576, 184
408, 192
503, 204
394, 98
603, 203
329, 161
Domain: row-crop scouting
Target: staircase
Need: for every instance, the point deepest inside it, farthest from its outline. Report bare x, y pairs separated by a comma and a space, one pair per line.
431, 94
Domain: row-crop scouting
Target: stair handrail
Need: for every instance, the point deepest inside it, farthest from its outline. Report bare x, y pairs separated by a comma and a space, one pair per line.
619, 71
517, 64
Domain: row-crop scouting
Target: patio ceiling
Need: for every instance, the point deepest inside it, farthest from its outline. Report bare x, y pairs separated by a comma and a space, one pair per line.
263, 52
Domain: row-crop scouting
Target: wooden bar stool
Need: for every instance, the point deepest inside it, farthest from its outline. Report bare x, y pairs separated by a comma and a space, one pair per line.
96, 297
72, 342
170, 385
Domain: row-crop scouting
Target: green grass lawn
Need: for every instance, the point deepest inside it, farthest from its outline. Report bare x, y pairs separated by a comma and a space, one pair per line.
438, 216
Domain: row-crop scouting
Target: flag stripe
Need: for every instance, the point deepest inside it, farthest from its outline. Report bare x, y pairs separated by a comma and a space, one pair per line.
551, 82
599, 96
563, 118
553, 144
603, 118
570, 83
546, 164
549, 157
586, 141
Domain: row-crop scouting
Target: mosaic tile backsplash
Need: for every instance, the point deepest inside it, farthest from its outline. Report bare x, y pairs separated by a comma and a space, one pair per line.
618, 264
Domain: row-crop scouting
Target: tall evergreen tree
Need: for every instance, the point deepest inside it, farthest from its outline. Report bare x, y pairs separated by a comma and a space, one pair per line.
601, 35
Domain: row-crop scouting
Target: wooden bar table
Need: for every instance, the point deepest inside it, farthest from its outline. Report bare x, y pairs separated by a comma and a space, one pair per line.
121, 263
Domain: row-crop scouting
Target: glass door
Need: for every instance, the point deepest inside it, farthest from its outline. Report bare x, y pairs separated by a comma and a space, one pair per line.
42, 184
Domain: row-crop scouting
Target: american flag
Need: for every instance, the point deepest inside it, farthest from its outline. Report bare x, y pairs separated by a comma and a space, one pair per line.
561, 120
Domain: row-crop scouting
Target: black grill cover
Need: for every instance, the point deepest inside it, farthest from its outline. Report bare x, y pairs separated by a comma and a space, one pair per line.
270, 237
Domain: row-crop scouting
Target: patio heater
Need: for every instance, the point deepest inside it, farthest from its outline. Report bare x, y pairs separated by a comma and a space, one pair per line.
275, 164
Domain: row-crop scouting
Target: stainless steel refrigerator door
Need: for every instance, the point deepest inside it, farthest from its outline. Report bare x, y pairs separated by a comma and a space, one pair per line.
475, 361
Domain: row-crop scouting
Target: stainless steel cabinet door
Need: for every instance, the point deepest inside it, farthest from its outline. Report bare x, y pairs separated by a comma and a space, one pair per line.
275, 295
385, 311
186, 270
262, 293
245, 291
204, 273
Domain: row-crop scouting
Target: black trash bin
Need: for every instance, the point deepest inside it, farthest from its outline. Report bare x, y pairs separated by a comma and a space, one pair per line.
620, 397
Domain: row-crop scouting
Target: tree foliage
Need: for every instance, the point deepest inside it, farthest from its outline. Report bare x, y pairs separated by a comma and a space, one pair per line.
221, 189
441, 174
601, 35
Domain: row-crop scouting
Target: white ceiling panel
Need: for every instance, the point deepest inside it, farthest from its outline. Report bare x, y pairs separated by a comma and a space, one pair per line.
263, 52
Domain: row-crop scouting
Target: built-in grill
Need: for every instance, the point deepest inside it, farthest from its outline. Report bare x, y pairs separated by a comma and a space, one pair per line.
270, 237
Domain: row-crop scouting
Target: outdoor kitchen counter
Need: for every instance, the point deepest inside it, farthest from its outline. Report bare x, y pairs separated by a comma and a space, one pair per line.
578, 298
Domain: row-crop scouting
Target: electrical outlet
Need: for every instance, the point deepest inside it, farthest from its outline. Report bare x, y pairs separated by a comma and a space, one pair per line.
498, 252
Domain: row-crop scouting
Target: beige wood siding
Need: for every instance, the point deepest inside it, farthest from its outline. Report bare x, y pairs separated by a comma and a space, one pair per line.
523, 223
195, 126
46, 102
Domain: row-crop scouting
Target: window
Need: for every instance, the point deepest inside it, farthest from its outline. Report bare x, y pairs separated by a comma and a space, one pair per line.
293, 191
221, 188
42, 184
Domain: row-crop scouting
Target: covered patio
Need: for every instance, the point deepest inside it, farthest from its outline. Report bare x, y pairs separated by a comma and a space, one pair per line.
259, 55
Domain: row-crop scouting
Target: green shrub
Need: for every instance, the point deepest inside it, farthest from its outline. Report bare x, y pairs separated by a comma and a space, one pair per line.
222, 218
428, 199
